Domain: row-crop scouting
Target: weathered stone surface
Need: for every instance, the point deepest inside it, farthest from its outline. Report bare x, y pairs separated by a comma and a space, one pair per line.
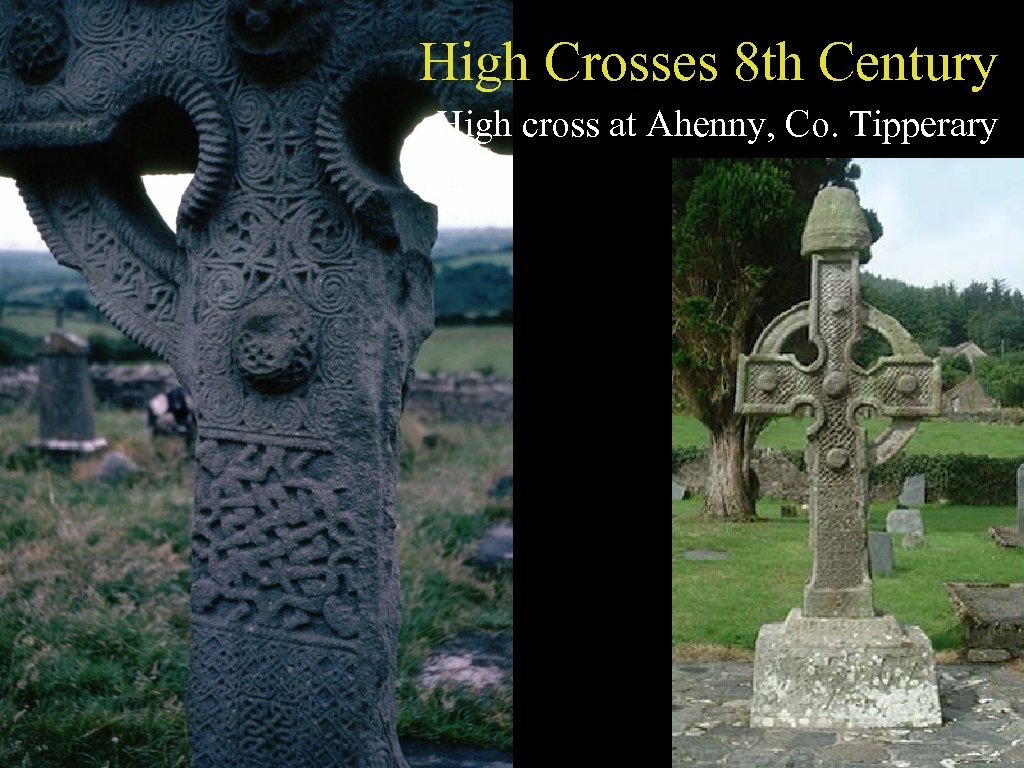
982, 719
291, 302
116, 468
1005, 536
987, 655
835, 663
501, 488
912, 494
992, 615
844, 673
131, 386
880, 553
65, 396
1020, 498
472, 662
678, 492
493, 552
904, 386
904, 521
470, 397
705, 554
912, 540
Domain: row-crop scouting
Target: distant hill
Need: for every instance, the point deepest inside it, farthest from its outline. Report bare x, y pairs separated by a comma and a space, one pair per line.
455, 243
29, 262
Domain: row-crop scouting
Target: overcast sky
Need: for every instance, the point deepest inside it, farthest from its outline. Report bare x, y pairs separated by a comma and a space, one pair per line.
471, 185
946, 219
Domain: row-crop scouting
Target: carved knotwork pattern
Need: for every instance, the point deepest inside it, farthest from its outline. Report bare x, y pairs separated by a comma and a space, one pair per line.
273, 548
266, 702
291, 301
902, 386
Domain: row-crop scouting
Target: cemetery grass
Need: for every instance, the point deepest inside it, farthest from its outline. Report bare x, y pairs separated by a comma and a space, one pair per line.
719, 605
934, 436
94, 609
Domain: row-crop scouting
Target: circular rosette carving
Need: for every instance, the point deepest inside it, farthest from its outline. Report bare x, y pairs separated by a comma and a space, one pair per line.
218, 401
92, 79
98, 22
276, 346
326, 234
277, 39
226, 286
38, 46
245, 230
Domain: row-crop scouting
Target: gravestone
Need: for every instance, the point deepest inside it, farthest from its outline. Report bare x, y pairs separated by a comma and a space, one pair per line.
880, 558
678, 491
65, 397
1004, 535
912, 494
912, 540
291, 302
992, 615
835, 662
904, 521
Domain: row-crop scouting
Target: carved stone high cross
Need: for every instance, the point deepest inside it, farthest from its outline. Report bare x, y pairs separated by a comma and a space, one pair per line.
904, 386
291, 301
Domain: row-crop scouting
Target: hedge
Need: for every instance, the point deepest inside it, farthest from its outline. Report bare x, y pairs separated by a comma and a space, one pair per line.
957, 478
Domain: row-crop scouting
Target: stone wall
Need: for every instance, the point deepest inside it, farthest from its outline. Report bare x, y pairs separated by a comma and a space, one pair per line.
778, 476
469, 397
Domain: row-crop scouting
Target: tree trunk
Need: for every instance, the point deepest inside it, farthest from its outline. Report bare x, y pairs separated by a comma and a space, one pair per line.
732, 485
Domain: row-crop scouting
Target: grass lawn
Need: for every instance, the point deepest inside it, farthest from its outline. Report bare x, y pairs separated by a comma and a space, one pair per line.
451, 349
724, 602
934, 436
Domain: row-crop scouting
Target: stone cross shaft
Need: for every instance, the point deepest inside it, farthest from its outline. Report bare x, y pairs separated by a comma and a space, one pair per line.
904, 386
291, 301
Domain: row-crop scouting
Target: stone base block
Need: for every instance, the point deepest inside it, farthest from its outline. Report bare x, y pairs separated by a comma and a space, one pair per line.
844, 673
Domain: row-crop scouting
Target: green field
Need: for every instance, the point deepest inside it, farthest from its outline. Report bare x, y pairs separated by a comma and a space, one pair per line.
451, 349
934, 436
40, 323
502, 259
94, 593
722, 603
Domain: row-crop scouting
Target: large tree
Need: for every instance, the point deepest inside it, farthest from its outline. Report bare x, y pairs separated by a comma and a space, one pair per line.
736, 263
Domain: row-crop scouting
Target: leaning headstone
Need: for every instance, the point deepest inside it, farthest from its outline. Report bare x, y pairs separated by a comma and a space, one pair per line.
835, 663
912, 540
291, 301
501, 487
912, 494
1020, 499
1004, 535
473, 663
65, 397
493, 553
880, 557
904, 521
704, 554
116, 468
